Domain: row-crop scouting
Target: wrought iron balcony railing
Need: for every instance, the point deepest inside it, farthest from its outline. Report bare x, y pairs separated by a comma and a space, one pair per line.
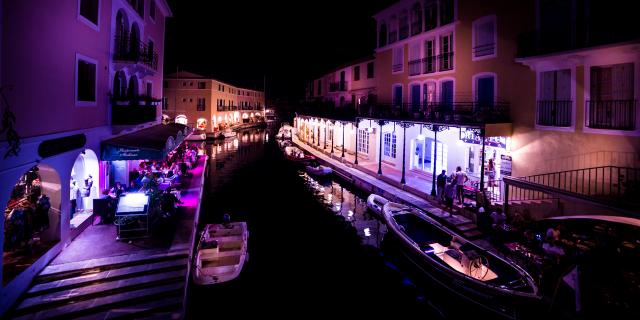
393, 36
429, 64
415, 67
445, 61
338, 86
134, 51
484, 50
404, 32
611, 114
556, 113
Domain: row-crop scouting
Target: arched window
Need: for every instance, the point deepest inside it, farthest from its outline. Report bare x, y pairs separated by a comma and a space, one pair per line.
134, 42
403, 24
122, 33
119, 85
382, 36
416, 19
132, 92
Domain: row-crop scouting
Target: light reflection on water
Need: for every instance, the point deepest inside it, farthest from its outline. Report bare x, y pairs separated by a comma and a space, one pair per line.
342, 200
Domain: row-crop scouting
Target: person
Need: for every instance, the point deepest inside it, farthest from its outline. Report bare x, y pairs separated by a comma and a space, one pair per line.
168, 203
74, 197
461, 179
553, 233
491, 173
117, 190
132, 187
110, 211
43, 205
88, 185
441, 182
483, 220
449, 194
498, 218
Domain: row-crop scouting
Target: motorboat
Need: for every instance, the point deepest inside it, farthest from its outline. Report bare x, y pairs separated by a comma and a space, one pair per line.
461, 267
376, 203
319, 170
222, 252
227, 134
284, 132
294, 154
197, 137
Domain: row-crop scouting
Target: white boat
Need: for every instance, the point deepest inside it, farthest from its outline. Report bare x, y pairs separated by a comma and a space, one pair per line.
319, 170
227, 134
197, 137
222, 252
284, 132
376, 204
459, 266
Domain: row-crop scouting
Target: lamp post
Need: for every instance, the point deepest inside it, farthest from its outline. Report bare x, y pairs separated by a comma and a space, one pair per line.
404, 126
342, 123
482, 134
435, 128
356, 151
380, 124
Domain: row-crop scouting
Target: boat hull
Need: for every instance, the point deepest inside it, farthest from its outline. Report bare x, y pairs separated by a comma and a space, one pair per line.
224, 261
375, 203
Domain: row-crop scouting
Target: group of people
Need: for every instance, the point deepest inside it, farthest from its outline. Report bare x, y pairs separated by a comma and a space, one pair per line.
80, 191
451, 187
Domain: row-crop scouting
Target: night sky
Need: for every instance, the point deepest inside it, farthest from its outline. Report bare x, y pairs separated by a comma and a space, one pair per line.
289, 42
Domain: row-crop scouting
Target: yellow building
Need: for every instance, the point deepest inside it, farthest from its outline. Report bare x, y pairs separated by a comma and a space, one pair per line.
208, 104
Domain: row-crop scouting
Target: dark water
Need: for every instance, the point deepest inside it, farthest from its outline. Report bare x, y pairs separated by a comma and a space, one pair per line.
312, 245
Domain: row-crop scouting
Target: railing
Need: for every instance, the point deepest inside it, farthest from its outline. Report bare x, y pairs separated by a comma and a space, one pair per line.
393, 36
415, 67
338, 86
442, 112
429, 64
611, 114
534, 43
132, 114
484, 50
249, 108
556, 113
227, 108
404, 32
136, 101
445, 61
134, 51
416, 27
397, 67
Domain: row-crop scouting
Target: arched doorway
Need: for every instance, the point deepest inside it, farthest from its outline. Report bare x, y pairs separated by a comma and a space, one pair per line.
132, 92
32, 220
84, 184
119, 85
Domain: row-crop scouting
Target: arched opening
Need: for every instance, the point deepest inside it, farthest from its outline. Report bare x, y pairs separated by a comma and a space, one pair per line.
382, 36
181, 119
31, 220
84, 184
134, 43
119, 85
132, 92
245, 118
122, 33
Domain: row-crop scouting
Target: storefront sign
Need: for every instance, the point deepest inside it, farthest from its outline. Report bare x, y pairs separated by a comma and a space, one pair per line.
505, 165
468, 136
111, 153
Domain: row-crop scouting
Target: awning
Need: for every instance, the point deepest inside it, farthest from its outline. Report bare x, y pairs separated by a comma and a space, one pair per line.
150, 143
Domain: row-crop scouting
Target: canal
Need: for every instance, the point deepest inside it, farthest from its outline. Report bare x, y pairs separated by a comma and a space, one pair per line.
312, 245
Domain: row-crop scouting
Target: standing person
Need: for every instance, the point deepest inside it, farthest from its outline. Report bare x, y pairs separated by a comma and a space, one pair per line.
450, 194
491, 172
74, 197
441, 182
461, 179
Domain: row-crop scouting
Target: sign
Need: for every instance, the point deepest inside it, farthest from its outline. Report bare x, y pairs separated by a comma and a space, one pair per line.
505, 165
468, 136
110, 153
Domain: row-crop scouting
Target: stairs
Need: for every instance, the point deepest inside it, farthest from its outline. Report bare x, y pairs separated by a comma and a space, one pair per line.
142, 285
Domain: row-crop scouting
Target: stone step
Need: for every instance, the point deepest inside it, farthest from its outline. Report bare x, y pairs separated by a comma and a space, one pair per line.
473, 234
99, 290
96, 305
107, 275
74, 269
165, 308
467, 227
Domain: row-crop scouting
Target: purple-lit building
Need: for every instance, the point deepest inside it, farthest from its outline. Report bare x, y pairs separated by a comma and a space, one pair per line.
74, 73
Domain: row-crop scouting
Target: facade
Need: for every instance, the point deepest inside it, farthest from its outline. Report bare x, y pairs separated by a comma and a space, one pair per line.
208, 104
351, 84
99, 67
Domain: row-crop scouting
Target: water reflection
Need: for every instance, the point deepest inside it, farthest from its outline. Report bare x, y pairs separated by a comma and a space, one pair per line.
345, 201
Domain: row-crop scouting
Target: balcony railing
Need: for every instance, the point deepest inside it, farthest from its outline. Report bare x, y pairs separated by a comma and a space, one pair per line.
134, 51
393, 36
138, 110
484, 50
415, 67
227, 108
416, 27
445, 61
429, 64
612, 114
404, 32
338, 86
397, 67
556, 113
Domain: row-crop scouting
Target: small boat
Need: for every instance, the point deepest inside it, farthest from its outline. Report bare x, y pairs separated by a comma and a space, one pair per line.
197, 137
319, 170
376, 203
294, 154
464, 269
222, 252
227, 134
284, 132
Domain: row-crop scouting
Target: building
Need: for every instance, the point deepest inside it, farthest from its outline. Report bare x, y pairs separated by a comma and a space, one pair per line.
351, 84
209, 104
91, 70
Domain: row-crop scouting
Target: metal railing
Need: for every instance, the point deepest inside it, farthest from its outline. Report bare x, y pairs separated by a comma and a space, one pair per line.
484, 50
611, 114
135, 51
227, 108
397, 67
429, 64
338, 86
556, 113
415, 67
393, 36
445, 61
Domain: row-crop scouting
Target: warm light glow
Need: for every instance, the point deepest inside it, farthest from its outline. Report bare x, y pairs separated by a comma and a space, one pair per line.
367, 232
370, 130
201, 124
245, 116
181, 119
420, 137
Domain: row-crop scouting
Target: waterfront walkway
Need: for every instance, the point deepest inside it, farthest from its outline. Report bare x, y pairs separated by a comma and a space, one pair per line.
99, 277
362, 176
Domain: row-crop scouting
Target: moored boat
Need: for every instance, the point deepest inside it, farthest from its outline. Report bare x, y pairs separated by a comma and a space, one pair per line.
319, 170
458, 265
294, 154
376, 203
222, 252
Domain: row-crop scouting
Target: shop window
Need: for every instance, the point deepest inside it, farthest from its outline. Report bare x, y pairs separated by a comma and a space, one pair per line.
390, 144
363, 141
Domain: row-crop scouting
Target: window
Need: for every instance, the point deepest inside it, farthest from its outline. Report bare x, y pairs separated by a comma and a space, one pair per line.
430, 14
398, 59
390, 144
149, 89
184, 84
200, 106
319, 87
429, 56
356, 73
554, 104
363, 141
191, 83
184, 99
484, 37
369, 70
86, 80
165, 103
89, 10
190, 100
152, 10
612, 104
202, 85
165, 84
446, 12
445, 58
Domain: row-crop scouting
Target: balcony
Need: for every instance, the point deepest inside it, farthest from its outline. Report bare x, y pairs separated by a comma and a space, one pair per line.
404, 32
445, 61
554, 113
338, 86
429, 64
126, 50
416, 27
139, 110
393, 36
611, 114
415, 67
484, 50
